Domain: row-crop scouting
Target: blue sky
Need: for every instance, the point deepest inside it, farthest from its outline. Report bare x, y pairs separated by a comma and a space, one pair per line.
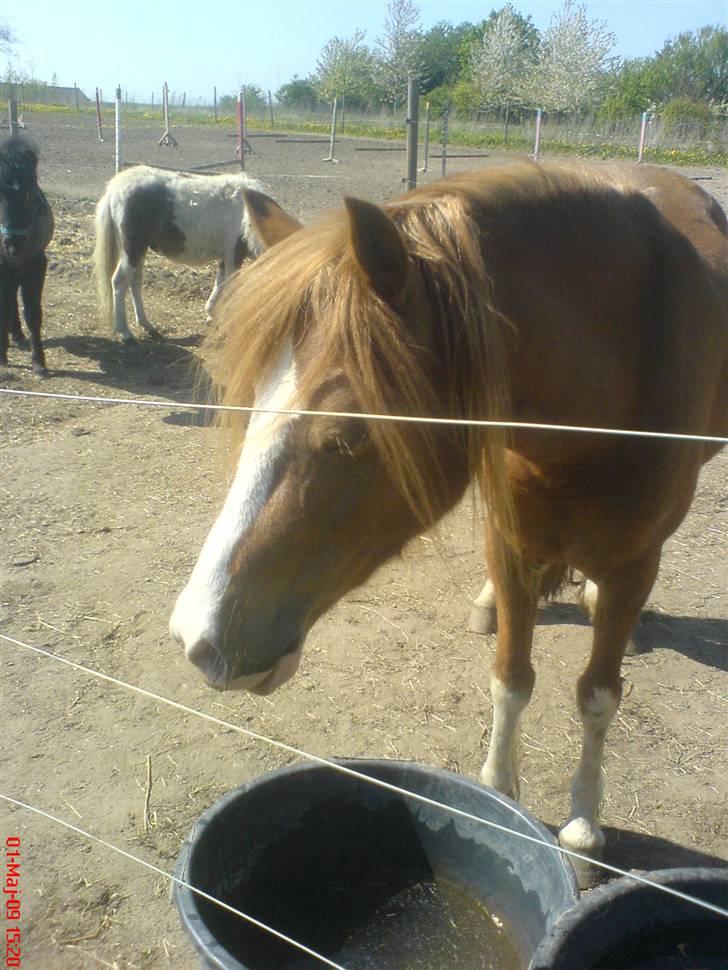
196, 44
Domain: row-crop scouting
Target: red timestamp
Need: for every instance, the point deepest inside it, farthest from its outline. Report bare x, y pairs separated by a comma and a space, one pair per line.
11, 895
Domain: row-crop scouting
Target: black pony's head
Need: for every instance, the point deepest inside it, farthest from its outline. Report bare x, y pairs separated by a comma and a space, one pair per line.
19, 195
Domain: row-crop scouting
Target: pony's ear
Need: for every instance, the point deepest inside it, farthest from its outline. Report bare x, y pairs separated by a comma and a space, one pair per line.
379, 249
271, 224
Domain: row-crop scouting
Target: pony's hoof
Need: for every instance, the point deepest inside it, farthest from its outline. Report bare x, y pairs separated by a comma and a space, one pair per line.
507, 784
40, 372
633, 648
482, 620
128, 339
22, 343
582, 836
588, 875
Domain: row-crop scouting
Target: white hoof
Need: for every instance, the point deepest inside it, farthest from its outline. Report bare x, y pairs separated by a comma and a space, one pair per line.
505, 784
633, 648
483, 620
582, 836
589, 594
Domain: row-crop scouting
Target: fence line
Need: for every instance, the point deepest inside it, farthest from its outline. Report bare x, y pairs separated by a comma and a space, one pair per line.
359, 776
168, 875
404, 418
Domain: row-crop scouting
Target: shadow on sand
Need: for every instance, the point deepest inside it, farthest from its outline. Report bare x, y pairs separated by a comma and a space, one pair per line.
703, 639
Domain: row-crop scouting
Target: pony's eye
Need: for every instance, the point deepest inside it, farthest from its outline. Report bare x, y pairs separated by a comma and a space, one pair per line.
332, 444
346, 442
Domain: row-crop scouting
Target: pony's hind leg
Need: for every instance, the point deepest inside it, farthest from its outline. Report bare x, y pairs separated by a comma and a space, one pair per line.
220, 277
588, 598
120, 282
617, 607
483, 618
140, 314
484, 615
515, 587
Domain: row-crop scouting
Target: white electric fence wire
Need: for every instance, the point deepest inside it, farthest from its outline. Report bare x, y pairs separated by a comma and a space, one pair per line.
461, 422
360, 776
180, 882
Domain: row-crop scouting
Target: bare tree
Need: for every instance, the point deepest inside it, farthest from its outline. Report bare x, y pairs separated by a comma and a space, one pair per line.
398, 50
501, 62
344, 67
7, 38
573, 60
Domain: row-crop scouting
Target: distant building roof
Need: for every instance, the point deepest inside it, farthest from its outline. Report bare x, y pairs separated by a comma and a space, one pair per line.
34, 93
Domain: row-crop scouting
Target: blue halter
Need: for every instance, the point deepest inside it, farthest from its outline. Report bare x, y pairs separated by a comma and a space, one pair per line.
9, 231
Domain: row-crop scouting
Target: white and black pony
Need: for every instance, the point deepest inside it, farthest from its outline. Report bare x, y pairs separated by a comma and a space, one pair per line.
26, 228
190, 218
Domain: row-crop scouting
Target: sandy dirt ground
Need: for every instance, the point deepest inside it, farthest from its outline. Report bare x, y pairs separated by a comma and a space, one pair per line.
103, 510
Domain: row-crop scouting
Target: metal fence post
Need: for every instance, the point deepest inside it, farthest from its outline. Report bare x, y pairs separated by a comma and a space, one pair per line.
443, 156
426, 148
537, 144
643, 135
13, 121
413, 118
117, 131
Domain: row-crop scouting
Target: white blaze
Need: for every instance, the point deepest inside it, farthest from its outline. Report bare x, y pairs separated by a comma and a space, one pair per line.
196, 613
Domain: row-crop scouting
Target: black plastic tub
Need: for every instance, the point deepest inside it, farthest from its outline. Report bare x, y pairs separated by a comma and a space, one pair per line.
626, 925
321, 856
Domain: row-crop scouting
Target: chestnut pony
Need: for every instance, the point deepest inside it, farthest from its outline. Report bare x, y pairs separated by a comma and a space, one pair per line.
582, 296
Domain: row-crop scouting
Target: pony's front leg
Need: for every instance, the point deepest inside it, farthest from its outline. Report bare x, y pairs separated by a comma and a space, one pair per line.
16, 331
515, 587
7, 294
616, 610
31, 289
220, 278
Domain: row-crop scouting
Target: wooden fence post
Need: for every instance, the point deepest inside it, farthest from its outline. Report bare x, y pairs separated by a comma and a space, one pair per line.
167, 138
99, 128
332, 140
241, 128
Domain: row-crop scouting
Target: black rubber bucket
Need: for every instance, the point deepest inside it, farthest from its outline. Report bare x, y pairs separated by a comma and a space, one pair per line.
319, 856
626, 925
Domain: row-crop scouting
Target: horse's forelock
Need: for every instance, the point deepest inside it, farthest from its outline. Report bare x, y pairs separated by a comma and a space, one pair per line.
18, 158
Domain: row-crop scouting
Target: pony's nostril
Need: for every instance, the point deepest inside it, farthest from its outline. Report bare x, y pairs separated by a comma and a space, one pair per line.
208, 659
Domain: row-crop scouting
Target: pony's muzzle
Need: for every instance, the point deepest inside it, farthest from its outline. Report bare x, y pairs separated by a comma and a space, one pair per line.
208, 659
216, 669
12, 247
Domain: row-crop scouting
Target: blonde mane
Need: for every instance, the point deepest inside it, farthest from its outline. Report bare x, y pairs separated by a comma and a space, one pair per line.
311, 280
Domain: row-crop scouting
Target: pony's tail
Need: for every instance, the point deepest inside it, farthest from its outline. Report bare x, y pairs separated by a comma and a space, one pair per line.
106, 256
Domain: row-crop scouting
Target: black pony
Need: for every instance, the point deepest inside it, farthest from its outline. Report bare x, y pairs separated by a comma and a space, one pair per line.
26, 228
